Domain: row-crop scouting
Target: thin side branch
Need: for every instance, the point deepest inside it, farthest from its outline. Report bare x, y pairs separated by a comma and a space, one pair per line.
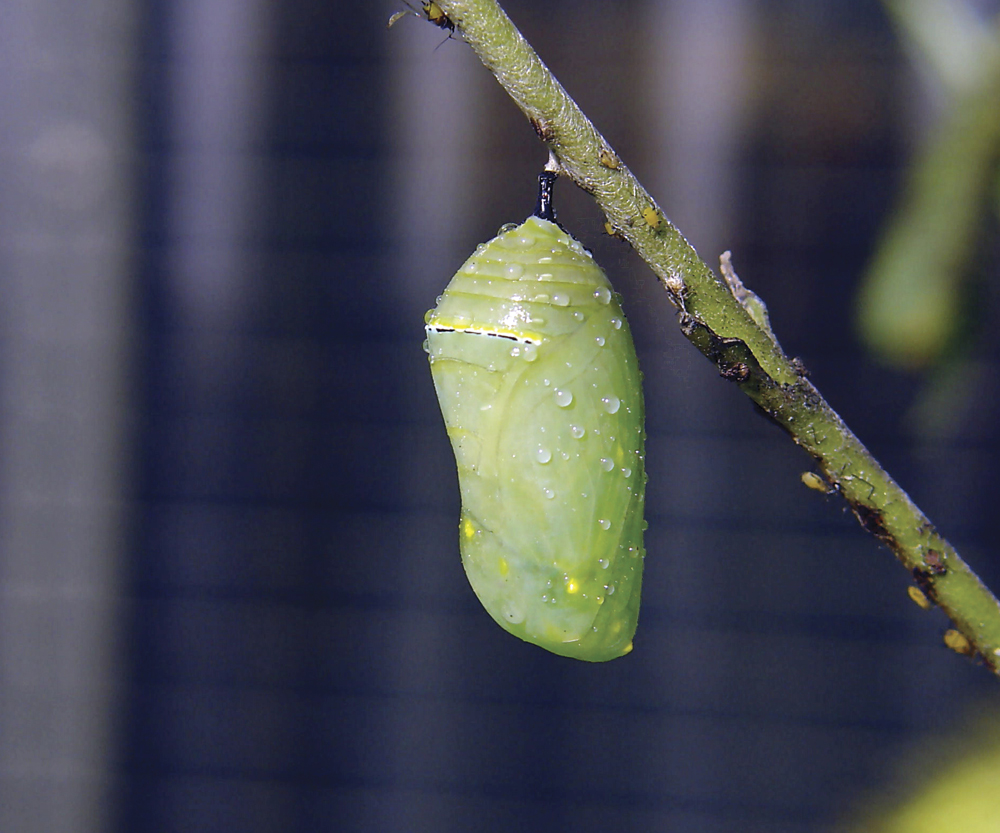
728, 324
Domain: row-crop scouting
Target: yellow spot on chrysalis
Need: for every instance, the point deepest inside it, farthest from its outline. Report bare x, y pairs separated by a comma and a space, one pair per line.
572, 586
919, 597
652, 217
627, 649
958, 642
504, 567
468, 529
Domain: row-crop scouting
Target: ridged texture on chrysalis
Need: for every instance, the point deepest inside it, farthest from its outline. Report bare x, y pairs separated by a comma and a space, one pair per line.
539, 385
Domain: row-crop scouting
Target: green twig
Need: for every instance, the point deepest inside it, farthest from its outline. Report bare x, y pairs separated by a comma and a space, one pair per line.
728, 324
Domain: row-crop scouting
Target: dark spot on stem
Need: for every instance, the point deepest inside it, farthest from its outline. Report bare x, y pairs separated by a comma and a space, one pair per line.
935, 563
873, 521
736, 372
543, 130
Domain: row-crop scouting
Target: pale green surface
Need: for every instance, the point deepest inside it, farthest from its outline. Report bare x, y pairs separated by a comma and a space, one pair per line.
548, 436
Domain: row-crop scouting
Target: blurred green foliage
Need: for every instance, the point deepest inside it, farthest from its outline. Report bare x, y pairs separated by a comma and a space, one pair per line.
950, 785
916, 304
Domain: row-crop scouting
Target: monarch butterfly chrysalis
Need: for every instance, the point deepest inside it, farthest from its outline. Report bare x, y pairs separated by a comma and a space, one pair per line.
539, 385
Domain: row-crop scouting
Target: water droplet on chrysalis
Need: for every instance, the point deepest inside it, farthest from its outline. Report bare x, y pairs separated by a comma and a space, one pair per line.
603, 295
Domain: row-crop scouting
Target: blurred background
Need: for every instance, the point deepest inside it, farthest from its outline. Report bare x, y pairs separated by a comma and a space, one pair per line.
230, 591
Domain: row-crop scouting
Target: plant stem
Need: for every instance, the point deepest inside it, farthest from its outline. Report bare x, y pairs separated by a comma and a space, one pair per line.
724, 321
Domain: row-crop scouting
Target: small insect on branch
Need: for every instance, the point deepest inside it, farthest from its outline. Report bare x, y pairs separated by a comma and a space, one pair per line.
428, 11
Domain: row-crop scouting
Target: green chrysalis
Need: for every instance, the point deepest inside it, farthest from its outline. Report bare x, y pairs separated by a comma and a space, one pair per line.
539, 385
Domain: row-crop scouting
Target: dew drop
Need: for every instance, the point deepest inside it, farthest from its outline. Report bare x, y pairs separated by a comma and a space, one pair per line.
506, 227
545, 259
563, 398
577, 432
545, 597
513, 270
600, 341
542, 454
560, 299
541, 298
471, 267
611, 589
611, 404
616, 323
607, 464
579, 316
548, 493
530, 352
515, 351
428, 316
513, 616
627, 471
524, 241
564, 455
427, 346
536, 319
603, 295
604, 563
604, 523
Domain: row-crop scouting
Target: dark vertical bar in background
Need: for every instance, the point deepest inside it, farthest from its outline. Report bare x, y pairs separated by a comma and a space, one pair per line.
265, 376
